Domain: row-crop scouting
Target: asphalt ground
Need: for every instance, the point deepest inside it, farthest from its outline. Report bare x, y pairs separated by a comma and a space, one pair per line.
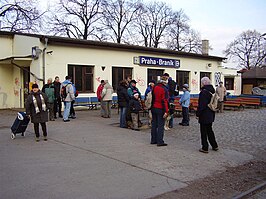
91, 157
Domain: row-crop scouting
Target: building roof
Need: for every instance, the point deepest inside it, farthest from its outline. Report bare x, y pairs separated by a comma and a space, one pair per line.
255, 73
56, 40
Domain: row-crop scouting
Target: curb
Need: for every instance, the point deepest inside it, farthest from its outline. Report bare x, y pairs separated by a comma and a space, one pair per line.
243, 194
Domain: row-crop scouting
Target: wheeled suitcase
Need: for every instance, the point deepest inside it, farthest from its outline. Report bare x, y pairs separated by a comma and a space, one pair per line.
20, 125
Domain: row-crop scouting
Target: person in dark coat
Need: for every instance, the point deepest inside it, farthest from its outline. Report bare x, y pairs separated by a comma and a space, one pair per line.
36, 109
58, 100
206, 116
123, 101
135, 108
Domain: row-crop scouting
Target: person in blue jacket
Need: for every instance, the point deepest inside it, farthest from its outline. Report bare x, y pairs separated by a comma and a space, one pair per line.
185, 101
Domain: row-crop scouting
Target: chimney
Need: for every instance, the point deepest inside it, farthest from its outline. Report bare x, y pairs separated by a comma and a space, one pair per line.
205, 47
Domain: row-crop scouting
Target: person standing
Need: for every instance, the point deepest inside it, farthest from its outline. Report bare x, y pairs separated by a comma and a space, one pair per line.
107, 99
221, 91
68, 98
148, 99
173, 90
159, 111
206, 116
36, 109
72, 113
99, 93
123, 102
58, 101
49, 90
185, 102
135, 107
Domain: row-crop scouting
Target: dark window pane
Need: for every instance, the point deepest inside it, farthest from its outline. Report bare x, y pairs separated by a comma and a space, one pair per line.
153, 74
182, 77
229, 83
118, 74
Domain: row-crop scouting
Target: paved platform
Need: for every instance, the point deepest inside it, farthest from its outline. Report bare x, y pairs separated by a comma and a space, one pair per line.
91, 157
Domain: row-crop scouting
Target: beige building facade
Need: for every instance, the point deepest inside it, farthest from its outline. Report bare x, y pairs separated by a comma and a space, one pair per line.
28, 58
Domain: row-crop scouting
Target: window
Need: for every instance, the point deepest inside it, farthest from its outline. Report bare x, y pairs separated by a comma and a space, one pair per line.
204, 74
182, 77
153, 74
82, 77
118, 74
229, 83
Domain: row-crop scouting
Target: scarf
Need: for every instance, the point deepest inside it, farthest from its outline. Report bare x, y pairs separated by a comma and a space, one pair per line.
37, 110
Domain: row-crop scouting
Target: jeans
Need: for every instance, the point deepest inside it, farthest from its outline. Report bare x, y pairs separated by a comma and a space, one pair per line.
171, 121
72, 110
185, 115
207, 134
107, 108
123, 115
157, 129
66, 110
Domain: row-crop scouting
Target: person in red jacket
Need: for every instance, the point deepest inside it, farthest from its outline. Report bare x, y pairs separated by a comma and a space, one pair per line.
99, 93
159, 111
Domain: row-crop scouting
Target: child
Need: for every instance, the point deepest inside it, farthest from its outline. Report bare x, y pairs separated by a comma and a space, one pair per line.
185, 102
135, 107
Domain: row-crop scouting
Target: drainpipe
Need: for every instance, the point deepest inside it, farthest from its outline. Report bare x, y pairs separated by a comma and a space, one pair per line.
43, 59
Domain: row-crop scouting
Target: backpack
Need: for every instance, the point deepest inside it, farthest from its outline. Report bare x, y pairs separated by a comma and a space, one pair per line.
63, 92
213, 105
50, 93
173, 88
148, 101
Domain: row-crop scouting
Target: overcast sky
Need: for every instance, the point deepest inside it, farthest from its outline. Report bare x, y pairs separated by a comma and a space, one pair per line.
221, 21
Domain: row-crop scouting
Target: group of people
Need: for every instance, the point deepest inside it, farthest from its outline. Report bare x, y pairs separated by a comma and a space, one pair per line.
43, 105
159, 97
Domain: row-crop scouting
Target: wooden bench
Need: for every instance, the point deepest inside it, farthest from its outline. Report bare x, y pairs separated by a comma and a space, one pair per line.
178, 107
193, 104
90, 102
250, 102
233, 103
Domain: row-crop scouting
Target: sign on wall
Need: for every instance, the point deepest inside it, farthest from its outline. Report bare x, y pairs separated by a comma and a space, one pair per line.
156, 61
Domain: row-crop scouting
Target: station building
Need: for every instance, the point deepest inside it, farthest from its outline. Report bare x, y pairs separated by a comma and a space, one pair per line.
27, 58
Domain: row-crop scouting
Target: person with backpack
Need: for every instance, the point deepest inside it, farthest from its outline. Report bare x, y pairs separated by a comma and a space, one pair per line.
206, 116
185, 102
49, 90
123, 102
67, 95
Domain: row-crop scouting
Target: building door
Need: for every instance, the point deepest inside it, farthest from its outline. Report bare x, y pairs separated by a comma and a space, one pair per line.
26, 85
154, 73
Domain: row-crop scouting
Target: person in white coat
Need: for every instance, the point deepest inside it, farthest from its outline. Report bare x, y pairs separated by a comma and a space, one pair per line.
107, 99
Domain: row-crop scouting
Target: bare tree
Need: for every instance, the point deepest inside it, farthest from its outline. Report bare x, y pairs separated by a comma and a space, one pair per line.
180, 36
153, 21
20, 16
117, 17
76, 18
249, 48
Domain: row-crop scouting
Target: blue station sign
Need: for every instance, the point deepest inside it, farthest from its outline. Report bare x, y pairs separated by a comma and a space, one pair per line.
155, 61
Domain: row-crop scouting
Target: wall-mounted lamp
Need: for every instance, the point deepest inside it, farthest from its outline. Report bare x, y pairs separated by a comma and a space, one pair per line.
195, 72
49, 52
103, 68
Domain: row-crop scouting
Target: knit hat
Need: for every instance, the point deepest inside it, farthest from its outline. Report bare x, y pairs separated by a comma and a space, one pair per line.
186, 86
35, 86
133, 81
136, 94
